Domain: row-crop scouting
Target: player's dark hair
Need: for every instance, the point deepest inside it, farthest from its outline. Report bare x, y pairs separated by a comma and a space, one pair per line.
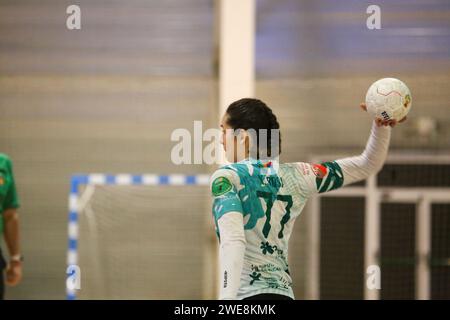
249, 113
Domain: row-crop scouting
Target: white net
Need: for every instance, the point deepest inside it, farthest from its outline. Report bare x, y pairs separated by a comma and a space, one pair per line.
145, 242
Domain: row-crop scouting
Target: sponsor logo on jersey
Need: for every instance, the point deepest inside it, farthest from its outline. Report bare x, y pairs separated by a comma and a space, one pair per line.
267, 165
320, 171
225, 279
220, 186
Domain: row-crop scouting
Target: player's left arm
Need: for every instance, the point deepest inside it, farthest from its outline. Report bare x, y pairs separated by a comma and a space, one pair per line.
229, 218
11, 232
231, 254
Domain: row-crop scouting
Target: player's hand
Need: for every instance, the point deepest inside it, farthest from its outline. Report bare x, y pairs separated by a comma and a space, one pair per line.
381, 122
13, 273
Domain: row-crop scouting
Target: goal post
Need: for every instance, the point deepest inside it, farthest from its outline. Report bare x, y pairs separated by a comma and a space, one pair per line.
89, 182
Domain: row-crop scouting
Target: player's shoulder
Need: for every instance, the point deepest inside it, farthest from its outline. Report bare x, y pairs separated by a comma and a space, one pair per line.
223, 180
4, 156
4, 159
229, 171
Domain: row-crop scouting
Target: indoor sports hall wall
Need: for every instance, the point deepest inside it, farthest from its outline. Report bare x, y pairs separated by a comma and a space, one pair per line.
105, 99
314, 63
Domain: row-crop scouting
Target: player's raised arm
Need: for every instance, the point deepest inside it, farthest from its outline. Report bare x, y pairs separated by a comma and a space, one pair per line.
372, 159
228, 215
328, 176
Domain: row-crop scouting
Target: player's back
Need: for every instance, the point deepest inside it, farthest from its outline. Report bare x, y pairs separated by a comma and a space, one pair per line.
270, 197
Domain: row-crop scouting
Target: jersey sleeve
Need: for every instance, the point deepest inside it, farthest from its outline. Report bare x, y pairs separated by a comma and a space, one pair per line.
11, 198
319, 177
224, 191
329, 176
371, 160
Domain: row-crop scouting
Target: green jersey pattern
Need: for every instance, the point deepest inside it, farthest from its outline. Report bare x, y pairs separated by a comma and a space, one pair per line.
270, 196
8, 194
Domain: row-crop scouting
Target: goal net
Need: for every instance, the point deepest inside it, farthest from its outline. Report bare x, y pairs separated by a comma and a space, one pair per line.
141, 238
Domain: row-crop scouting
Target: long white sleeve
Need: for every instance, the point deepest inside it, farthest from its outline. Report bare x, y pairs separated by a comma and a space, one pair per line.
231, 253
371, 160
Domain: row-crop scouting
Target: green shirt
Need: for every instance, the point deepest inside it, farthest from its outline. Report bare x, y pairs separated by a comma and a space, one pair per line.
8, 194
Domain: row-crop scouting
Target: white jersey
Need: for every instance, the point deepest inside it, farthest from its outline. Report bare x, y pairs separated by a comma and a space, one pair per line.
270, 201
270, 196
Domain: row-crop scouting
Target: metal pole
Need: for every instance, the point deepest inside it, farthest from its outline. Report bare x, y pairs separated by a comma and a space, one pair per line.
372, 234
423, 243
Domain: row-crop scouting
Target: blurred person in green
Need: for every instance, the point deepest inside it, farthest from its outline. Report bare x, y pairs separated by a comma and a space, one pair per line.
9, 226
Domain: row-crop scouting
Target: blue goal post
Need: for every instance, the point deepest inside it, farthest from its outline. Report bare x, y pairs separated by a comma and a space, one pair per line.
111, 180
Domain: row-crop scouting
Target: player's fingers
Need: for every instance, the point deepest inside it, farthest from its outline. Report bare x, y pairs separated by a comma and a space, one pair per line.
13, 277
12, 282
378, 122
363, 106
9, 279
392, 123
